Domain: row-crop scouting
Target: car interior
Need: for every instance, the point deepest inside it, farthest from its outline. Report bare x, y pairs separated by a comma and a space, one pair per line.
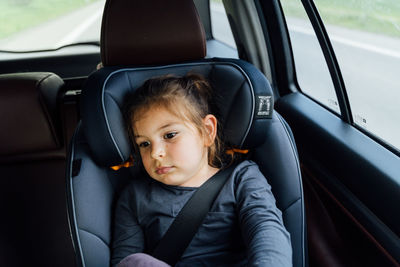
336, 184
33, 154
102, 141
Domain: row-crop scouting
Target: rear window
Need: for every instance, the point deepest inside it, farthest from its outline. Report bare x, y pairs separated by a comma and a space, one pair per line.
31, 25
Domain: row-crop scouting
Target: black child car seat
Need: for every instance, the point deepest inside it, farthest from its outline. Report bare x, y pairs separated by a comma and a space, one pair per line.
143, 39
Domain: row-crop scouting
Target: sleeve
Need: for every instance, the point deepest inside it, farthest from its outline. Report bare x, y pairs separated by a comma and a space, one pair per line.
128, 236
267, 240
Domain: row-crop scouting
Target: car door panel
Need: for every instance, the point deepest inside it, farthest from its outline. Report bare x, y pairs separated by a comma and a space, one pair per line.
355, 179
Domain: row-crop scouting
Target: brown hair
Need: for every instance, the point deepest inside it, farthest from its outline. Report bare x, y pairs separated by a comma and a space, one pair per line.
190, 93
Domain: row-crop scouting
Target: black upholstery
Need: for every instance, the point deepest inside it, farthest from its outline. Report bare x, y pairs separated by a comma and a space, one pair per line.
33, 225
246, 113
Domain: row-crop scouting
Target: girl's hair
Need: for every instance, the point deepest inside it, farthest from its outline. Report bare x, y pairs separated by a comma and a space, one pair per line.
188, 97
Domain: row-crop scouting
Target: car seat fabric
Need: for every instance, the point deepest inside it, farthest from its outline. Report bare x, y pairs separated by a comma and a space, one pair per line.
34, 226
246, 112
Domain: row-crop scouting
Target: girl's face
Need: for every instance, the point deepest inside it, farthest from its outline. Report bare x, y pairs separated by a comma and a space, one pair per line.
172, 150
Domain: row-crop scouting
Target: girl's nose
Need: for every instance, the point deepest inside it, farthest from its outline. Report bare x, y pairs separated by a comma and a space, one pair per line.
157, 151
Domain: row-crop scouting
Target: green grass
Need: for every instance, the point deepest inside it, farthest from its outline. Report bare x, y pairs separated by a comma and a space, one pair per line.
378, 16
17, 15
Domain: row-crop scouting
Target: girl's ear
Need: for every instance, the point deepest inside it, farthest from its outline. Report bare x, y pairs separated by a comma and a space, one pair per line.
210, 124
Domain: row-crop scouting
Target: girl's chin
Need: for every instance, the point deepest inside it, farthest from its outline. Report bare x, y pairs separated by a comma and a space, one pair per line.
174, 182
166, 179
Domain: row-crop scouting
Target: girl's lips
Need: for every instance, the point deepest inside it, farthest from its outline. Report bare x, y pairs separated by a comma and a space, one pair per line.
163, 170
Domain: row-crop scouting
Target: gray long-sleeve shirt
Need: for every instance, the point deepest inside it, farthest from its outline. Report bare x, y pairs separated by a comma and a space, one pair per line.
243, 228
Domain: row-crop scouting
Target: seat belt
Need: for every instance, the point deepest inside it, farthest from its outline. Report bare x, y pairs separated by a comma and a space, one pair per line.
185, 226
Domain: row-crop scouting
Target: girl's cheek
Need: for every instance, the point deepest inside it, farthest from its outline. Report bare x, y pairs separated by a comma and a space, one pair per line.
144, 156
146, 165
184, 151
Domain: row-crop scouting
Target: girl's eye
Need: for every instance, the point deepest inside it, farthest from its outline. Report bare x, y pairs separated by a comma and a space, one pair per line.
170, 135
144, 144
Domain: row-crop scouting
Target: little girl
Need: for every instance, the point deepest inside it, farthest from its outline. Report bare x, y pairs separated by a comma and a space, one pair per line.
176, 137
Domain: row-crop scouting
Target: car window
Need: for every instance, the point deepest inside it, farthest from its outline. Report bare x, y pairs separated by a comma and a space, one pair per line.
30, 25
219, 23
365, 36
311, 69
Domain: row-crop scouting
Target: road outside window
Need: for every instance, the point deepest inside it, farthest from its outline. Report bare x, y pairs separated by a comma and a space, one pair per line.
365, 36
29, 25
312, 72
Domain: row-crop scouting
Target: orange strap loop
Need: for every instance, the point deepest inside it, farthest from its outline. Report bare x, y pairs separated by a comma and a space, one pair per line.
127, 164
236, 150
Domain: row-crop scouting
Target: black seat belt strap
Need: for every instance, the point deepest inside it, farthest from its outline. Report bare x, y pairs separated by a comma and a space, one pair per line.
185, 226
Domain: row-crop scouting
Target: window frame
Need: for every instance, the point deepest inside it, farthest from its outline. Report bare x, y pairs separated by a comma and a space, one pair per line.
283, 59
330, 59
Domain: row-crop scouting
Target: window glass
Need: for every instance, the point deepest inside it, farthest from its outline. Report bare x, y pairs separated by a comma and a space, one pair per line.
311, 69
28, 25
219, 23
366, 38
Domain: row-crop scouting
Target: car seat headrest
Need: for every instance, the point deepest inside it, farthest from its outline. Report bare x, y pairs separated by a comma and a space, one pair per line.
244, 100
28, 109
138, 32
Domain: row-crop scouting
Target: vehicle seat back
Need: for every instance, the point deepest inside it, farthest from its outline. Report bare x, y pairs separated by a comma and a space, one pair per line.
34, 226
140, 42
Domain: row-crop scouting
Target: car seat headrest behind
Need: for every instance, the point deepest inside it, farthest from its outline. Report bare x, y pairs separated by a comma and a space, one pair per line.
151, 32
28, 109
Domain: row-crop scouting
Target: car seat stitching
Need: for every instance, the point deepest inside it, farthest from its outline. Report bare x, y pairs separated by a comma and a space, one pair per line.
292, 203
93, 234
106, 118
129, 80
